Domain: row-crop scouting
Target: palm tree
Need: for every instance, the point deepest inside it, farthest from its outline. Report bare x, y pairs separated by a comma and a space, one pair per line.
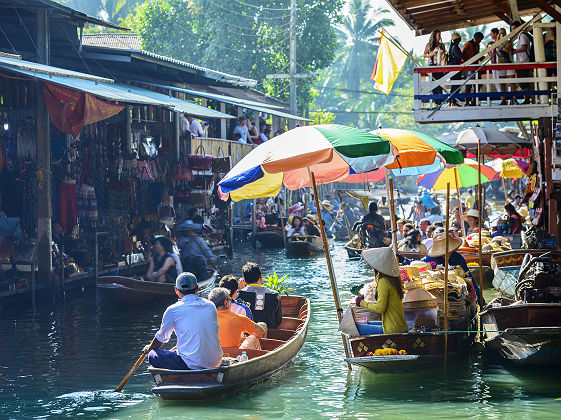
358, 37
119, 9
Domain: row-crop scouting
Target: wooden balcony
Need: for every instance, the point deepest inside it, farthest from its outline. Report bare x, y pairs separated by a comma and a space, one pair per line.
434, 86
220, 147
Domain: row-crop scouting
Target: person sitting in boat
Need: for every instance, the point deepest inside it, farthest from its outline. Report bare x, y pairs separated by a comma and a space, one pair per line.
195, 253
296, 228
309, 227
265, 303
438, 250
389, 290
472, 218
194, 321
412, 243
238, 306
162, 265
232, 325
374, 226
514, 219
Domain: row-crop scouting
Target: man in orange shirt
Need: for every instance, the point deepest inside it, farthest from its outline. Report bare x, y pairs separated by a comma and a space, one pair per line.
470, 49
232, 325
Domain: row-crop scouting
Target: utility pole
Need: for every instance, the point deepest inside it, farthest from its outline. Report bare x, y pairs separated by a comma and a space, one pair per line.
293, 90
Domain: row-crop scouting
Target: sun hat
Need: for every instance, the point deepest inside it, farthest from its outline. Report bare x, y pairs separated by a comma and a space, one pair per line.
186, 282
382, 260
327, 204
455, 35
470, 212
188, 225
439, 245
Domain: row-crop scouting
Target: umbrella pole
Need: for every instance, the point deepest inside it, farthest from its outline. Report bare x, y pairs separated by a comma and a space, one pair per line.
460, 207
479, 224
282, 223
336, 296
446, 263
393, 224
504, 189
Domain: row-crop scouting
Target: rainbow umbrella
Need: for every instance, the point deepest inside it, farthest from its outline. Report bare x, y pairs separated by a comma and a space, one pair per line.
509, 168
466, 174
332, 152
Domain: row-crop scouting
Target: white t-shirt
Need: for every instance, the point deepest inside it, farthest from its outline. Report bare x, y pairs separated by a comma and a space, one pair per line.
524, 56
183, 124
196, 128
263, 137
242, 131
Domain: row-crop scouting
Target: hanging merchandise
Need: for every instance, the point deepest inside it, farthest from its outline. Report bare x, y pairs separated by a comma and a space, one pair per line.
201, 181
87, 207
199, 198
147, 148
182, 194
67, 206
221, 163
181, 172
200, 161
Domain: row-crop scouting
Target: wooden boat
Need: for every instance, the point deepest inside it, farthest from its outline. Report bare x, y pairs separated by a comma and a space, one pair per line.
305, 245
278, 349
506, 267
523, 333
473, 257
270, 237
131, 291
353, 252
424, 349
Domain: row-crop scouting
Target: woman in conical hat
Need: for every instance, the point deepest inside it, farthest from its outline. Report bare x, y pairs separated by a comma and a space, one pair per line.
389, 290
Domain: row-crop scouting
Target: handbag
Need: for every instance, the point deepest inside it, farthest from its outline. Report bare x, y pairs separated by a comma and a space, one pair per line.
200, 162
220, 164
181, 172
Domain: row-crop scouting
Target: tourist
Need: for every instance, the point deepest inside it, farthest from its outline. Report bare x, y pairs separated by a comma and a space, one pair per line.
408, 227
195, 253
470, 199
472, 218
389, 290
456, 220
265, 303
435, 53
517, 202
550, 48
470, 50
232, 326
184, 125
514, 219
195, 324
374, 225
264, 134
521, 54
162, 266
252, 134
168, 246
423, 226
511, 196
241, 130
400, 225
412, 243
326, 216
309, 227
437, 252
296, 228
430, 233
455, 54
238, 306
195, 127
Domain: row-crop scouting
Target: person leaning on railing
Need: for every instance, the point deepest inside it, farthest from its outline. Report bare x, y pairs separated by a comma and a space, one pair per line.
435, 54
522, 55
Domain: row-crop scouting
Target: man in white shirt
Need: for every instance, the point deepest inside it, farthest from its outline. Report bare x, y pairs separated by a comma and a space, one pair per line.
195, 324
195, 127
241, 129
183, 124
522, 55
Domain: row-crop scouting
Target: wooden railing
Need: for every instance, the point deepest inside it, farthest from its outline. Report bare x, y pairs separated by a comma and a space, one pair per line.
220, 147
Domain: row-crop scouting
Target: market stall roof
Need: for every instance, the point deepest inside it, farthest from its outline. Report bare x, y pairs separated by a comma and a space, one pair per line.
426, 15
257, 106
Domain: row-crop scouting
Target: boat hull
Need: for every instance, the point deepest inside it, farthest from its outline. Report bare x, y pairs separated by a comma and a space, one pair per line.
270, 238
276, 354
305, 245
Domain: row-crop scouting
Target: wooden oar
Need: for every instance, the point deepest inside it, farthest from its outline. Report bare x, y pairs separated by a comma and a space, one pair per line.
133, 369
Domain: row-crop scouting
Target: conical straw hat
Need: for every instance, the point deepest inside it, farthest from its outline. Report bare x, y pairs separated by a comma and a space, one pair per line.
382, 260
439, 245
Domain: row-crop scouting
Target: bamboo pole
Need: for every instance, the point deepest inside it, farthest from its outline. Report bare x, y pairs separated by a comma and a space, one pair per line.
504, 189
446, 263
334, 289
480, 208
392, 216
460, 207
282, 223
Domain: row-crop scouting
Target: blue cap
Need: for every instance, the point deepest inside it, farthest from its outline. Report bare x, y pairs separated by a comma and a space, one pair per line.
186, 282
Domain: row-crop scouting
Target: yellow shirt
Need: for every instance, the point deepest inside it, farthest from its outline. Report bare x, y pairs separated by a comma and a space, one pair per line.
470, 201
390, 306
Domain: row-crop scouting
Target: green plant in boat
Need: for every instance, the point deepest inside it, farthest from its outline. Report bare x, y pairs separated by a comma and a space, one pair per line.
279, 284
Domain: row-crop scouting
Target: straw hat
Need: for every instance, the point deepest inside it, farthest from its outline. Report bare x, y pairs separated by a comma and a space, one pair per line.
470, 212
455, 35
382, 260
439, 245
327, 205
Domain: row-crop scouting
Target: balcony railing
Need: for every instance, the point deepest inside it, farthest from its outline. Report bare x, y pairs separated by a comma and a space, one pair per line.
440, 98
220, 147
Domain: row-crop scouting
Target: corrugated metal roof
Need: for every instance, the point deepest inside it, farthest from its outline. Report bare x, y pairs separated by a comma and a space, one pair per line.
112, 40
42, 68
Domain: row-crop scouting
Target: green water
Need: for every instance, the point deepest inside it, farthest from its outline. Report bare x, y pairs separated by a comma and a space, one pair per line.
62, 361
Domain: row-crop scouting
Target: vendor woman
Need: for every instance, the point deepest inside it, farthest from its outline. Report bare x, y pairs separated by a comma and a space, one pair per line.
472, 219
162, 265
438, 251
389, 290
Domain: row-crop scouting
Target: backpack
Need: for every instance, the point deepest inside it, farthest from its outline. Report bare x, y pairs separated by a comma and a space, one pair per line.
530, 49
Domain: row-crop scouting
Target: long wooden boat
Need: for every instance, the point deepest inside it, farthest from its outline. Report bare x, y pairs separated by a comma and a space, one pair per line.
131, 291
523, 333
423, 349
270, 237
278, 349
353, 252
305, 245
506, 267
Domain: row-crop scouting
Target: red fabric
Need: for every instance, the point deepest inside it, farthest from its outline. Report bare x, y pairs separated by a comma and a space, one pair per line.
520, 154
70, 110
67, 206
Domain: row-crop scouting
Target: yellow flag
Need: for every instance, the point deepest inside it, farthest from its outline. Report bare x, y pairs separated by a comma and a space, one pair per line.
389, 62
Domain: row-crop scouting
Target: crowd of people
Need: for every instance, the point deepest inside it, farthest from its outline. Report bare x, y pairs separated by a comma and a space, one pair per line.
520, 49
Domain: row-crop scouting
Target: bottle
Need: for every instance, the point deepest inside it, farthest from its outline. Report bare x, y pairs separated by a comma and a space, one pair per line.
243, 357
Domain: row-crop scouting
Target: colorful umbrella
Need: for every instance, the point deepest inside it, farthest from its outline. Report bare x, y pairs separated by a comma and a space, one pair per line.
509, 168
418, 153
492, 141
376, 175
466, 175
332, 152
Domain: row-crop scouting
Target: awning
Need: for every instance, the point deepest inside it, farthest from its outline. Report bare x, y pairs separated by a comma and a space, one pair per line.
104, 88
257, 106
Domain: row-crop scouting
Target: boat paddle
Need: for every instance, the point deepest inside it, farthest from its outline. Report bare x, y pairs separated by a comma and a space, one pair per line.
133, 369
208, 259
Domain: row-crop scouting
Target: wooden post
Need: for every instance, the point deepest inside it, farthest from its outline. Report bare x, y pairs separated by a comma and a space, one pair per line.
393, 223
177, 137
460, 207
334, 289
223, 129
128, 125
254, 224
480, 208
446, 263
282, 223
231, 230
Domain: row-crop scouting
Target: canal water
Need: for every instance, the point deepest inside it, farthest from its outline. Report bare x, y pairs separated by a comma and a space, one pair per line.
63, 360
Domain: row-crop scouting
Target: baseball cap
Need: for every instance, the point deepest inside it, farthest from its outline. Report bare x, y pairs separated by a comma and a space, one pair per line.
186, 282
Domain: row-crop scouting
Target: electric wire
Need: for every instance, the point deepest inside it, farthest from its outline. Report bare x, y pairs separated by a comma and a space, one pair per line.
261, 7
22, 23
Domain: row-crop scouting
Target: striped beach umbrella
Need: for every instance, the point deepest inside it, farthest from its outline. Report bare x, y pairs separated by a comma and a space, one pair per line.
466, 174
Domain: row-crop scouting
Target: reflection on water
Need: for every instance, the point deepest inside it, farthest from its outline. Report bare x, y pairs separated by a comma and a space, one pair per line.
63, 361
